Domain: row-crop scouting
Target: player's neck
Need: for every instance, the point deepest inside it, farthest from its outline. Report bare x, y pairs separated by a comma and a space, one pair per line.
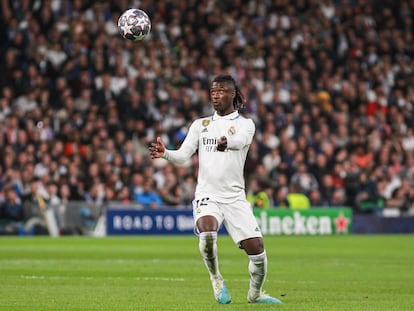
225, 113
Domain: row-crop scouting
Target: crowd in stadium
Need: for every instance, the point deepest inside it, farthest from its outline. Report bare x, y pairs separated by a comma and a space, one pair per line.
329, 84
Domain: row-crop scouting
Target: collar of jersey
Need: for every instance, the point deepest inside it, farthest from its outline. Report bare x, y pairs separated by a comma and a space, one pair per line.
230, 116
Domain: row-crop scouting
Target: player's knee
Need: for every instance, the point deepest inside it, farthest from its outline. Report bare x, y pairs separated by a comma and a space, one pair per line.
207, 224
253, 246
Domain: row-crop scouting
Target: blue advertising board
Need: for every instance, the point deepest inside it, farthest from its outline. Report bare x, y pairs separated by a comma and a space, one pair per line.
132, 221
324, 221
136, 221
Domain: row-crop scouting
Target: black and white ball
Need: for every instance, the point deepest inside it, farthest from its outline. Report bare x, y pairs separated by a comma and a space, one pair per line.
134, 24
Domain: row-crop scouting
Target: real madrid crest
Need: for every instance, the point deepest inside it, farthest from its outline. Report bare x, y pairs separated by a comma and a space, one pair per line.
205, 122
231, 130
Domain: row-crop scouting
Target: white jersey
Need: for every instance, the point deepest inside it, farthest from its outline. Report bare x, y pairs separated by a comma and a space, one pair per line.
220, 174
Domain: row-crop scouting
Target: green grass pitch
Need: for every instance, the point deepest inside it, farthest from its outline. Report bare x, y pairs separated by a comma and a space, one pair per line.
372, 272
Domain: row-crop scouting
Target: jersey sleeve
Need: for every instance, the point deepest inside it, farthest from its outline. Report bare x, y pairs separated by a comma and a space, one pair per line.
243, 137
187, 149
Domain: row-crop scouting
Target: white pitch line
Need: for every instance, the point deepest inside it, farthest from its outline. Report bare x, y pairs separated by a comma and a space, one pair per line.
160, 279
42, 277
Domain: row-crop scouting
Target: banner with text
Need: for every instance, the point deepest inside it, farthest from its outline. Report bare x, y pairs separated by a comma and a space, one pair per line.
315, 221
135, 221
318, 221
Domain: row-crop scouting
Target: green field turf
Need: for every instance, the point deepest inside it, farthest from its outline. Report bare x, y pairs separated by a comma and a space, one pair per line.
166, 273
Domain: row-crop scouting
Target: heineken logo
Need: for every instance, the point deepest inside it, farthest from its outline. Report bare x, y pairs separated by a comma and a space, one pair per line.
308, 222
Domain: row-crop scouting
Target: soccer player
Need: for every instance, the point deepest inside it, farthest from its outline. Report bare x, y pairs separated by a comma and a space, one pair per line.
222, 141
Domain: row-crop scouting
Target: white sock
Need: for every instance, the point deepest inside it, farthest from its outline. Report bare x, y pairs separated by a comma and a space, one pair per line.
257, 271
208, 250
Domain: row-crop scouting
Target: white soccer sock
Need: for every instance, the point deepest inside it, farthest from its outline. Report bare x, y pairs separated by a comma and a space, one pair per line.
257, 271
208, 250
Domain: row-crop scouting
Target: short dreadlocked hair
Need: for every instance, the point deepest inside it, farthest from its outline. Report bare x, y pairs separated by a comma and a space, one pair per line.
239, 100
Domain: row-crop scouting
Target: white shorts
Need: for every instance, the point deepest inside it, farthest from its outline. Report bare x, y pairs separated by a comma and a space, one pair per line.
236, 216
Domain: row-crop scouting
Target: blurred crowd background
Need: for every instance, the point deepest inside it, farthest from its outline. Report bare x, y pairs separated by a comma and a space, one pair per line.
329, 84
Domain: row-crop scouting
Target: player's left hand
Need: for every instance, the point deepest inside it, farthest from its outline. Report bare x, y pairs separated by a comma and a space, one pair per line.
157, 149
222, 143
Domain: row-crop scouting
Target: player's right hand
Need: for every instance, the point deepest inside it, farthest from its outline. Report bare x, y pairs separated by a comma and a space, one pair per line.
157, 149
222, 143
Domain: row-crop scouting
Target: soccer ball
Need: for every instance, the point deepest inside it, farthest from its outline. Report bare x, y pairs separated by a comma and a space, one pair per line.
134, 24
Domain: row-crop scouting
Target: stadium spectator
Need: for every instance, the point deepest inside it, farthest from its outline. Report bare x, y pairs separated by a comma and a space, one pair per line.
12, 213
326, 82
303, 181
256, 196
148, 197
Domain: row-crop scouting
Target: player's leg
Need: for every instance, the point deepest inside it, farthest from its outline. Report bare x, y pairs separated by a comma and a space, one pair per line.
257, 270
257, 263
207, 226
244, 230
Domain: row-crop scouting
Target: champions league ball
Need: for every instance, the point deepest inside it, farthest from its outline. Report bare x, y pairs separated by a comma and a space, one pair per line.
134, 24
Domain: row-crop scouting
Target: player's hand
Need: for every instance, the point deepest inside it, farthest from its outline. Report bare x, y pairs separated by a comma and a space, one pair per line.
157, 149
222, 143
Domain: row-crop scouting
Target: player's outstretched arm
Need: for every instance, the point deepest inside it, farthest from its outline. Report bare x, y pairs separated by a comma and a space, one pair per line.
157, 149
182, 154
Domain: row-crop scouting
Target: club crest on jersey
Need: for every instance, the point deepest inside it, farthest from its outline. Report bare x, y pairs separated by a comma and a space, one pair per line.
205, 122
231, 130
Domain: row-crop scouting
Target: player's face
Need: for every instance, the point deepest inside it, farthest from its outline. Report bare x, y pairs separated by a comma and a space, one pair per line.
222, 95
